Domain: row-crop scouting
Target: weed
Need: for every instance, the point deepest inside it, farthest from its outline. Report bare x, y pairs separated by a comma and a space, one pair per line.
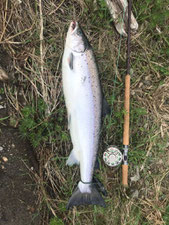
4, 118
166, 215
39, 128
2, 91
56, 221
156, 13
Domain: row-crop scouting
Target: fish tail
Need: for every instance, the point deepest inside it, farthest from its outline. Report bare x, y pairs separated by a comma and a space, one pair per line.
85, 194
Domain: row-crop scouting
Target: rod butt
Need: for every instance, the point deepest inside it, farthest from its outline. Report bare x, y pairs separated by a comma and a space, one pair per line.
125, 175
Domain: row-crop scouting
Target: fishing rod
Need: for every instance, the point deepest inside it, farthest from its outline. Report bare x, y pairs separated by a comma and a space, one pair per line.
126, 106
113, 156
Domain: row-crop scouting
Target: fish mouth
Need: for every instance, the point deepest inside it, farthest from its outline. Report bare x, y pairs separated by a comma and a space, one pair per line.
74, 26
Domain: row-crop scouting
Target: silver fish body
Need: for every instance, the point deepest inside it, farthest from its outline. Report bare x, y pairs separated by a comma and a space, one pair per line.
83, 97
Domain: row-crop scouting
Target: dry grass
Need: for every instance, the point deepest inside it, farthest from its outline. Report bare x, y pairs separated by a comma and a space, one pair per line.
32, 34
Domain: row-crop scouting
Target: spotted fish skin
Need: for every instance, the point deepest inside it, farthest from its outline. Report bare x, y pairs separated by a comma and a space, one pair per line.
83, 99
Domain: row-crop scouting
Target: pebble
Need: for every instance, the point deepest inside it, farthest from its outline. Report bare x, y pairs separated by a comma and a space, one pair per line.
135, 194
161, 162
13, 145
136, 177
1, 148
5, 159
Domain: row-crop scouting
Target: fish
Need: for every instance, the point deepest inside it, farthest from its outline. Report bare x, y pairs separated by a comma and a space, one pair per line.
84, 103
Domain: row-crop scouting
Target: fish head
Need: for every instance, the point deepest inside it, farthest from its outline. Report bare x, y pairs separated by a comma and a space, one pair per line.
76, 39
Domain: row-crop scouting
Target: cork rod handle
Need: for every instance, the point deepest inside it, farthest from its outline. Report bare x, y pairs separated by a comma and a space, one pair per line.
126, 128
125, 175
127, 110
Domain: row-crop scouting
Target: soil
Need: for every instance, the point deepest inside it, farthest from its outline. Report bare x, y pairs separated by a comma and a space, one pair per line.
18, 195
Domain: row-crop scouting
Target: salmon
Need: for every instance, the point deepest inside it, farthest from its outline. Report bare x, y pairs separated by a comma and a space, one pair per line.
84, 100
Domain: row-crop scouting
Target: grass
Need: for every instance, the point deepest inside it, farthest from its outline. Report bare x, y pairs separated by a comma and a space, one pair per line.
35, 99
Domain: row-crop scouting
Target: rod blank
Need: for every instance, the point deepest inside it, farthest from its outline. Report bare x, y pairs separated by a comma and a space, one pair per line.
127, 106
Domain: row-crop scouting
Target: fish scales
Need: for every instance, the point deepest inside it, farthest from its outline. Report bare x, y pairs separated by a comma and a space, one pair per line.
83, 99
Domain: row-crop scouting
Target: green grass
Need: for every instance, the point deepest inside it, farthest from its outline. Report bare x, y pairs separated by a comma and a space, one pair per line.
156, 13
166, 215
2, 91
38, 128
56, 221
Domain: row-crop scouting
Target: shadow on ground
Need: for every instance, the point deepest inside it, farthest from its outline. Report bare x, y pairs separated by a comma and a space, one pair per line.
18, 198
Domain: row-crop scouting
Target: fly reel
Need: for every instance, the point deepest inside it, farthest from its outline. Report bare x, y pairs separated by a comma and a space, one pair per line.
113, 156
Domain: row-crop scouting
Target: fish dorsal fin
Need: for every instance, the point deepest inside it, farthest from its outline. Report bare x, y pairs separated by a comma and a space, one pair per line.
70, 60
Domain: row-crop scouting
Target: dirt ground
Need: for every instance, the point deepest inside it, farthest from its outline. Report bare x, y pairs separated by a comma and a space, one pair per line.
18, 199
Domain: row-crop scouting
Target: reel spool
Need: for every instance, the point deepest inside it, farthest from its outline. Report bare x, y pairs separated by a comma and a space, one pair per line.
113, 156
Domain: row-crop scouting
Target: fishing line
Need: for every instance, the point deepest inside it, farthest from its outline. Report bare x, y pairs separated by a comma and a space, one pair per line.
86, 182
117, 66
116, 72
115, 78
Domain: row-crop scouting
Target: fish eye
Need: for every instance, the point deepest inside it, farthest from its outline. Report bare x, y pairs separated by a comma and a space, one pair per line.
79, 32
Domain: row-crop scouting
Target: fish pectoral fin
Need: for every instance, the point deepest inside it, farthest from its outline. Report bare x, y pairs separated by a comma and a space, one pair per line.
72, 159
70, 60
86, 198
